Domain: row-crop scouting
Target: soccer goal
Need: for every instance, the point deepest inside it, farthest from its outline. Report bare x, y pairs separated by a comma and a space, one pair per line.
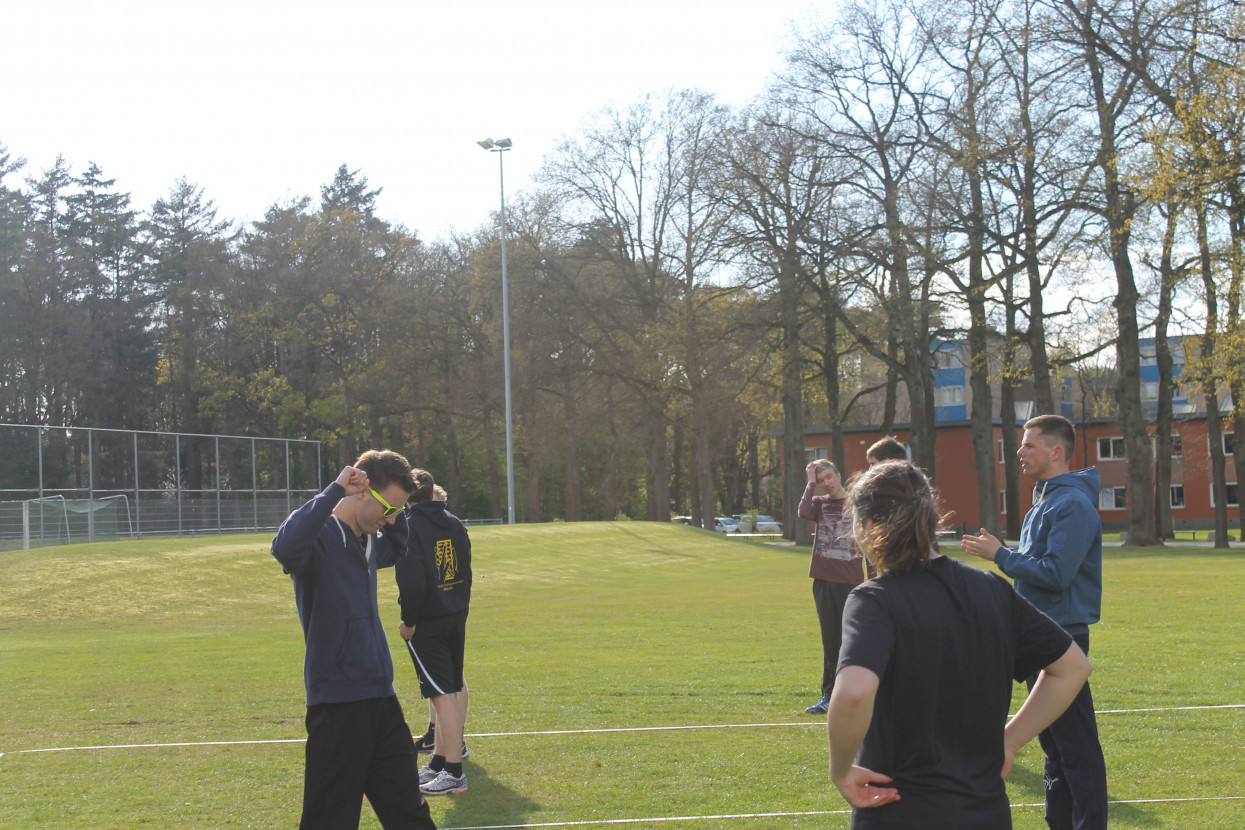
56, 520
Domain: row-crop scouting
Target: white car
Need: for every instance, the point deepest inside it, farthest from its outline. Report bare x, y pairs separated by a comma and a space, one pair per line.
767, 525
722, 524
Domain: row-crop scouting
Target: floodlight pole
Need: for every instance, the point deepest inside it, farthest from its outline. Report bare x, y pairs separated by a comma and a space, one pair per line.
501, 146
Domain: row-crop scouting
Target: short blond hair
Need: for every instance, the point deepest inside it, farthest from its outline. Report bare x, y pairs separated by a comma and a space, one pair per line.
822, 463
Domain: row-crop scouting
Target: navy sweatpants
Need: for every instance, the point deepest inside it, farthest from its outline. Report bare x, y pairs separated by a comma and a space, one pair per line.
1076, 773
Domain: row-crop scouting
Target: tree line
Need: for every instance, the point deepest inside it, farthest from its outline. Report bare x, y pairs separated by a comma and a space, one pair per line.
689, 280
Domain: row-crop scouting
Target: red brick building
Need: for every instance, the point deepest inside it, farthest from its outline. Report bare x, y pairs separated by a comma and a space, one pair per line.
1099, 443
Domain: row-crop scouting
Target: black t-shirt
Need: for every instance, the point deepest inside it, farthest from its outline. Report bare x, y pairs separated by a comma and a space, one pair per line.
946, 641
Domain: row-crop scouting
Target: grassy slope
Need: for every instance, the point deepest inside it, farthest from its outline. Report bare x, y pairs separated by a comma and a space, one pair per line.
574, 626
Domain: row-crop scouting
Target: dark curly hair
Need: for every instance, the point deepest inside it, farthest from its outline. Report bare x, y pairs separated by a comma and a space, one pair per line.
895, 516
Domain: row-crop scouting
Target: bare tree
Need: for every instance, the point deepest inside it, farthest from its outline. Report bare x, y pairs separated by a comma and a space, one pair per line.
637, 184
862, 85
779, 195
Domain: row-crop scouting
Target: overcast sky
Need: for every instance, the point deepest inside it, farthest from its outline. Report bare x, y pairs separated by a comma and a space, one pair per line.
260, 101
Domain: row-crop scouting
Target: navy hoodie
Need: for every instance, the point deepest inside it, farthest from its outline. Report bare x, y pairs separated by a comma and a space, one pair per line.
334, 577
435, 580
1058, 566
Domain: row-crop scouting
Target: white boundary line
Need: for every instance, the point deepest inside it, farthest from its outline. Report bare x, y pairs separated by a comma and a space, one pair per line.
159, 746
1169, 709
817, 723
607, 821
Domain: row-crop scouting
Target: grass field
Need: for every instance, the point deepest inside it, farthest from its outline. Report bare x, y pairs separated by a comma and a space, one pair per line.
588, 645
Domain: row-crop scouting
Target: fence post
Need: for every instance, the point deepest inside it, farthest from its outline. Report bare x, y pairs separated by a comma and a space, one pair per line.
254, 491
138, 508
216, 442
177, 453
90, 485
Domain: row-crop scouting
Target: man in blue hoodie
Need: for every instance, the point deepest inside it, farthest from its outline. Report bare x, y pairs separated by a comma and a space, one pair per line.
357, 739
1058, 568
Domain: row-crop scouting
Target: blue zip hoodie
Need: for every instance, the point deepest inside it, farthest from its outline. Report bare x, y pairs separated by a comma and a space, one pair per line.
1058, 566
334, 577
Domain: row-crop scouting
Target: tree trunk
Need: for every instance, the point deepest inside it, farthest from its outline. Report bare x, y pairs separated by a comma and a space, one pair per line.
494, 468
658, 476
1210, 385
1163, 357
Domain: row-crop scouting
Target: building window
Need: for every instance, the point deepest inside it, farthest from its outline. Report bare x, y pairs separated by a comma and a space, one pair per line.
1234, 495
1177, 445
1149, 390
1003, 502
1177, 496
947, 356
811, 454
1002, 459
1110, 449
951, 396
1228, 444
1113, 498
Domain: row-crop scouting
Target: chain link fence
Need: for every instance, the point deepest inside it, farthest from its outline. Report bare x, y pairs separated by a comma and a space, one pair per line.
62, 485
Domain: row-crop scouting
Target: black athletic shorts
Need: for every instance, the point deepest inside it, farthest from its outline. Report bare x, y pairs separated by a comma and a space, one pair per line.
437, 651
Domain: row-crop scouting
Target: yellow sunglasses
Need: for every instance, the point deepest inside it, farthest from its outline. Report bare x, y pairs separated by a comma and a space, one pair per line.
389, 508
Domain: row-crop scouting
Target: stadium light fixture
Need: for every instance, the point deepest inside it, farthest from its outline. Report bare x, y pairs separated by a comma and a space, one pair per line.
499, 147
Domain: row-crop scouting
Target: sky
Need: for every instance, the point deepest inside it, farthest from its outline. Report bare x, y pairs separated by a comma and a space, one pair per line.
259, 102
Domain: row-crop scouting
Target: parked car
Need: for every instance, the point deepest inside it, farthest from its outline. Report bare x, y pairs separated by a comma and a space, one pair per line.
685, 520
767, 525
723, 524
763, 524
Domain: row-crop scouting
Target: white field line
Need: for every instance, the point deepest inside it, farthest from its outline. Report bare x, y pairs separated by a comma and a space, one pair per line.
817, 723
607, 821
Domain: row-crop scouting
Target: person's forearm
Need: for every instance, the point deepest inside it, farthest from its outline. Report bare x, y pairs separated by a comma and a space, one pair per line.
806, 509
846, 725
1054, 570
293, 546
1056, 688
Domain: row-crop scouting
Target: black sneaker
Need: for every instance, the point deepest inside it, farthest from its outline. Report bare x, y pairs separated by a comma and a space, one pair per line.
424, 743
465, 752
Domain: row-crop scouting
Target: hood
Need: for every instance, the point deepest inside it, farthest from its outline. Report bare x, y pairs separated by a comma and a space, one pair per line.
434, 511
1087, 481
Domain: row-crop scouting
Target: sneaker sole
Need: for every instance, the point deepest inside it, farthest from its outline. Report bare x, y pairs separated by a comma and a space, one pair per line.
443, 792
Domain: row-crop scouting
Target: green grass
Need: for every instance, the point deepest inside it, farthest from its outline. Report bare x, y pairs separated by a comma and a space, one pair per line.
573, 626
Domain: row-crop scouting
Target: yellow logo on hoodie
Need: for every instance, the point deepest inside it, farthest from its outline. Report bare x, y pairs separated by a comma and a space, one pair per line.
447, 564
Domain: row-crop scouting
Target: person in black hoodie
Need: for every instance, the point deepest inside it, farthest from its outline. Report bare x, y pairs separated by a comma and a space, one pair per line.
434, 592
357, 739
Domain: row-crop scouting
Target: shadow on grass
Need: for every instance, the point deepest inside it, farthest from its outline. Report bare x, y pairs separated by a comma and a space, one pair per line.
1130, 815
648, 542
486, 803
1025, 787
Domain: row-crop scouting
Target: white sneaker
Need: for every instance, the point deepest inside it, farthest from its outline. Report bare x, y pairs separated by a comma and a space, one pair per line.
426, 775
445, 784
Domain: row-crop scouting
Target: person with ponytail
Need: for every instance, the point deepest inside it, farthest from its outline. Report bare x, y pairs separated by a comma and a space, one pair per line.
917, 728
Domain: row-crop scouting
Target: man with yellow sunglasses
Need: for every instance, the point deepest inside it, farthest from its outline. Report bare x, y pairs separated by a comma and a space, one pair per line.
357, 739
